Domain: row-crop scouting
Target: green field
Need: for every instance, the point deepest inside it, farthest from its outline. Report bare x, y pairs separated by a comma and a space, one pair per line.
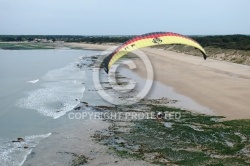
25, 46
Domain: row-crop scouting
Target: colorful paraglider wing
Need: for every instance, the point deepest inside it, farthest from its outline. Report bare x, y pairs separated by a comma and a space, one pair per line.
150, 39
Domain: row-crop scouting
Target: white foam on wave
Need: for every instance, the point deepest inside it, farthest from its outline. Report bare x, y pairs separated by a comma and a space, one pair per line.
61, 91
14, 153
33, 81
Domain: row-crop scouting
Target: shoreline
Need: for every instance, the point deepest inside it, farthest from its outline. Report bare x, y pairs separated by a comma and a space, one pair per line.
219, 85
87, 140
73, 142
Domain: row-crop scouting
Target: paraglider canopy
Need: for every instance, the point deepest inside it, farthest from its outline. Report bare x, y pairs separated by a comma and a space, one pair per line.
147, 40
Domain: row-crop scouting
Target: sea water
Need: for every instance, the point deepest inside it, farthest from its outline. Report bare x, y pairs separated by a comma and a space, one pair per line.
36, 88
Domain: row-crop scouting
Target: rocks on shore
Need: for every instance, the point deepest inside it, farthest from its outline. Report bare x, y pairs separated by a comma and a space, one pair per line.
19, 140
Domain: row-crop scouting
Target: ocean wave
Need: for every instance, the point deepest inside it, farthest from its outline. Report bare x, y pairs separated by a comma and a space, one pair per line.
33, 81
61, 91
15, 153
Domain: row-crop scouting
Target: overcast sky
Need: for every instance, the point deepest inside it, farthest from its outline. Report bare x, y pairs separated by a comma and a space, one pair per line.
124, 17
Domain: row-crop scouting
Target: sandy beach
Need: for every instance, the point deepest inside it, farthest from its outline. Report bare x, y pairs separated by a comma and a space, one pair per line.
219, 85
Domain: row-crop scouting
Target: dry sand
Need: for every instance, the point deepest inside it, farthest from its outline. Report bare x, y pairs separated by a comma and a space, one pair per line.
89, 46
222, 86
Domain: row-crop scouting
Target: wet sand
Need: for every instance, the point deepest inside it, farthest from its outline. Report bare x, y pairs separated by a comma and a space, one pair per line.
73, 139
221, 86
